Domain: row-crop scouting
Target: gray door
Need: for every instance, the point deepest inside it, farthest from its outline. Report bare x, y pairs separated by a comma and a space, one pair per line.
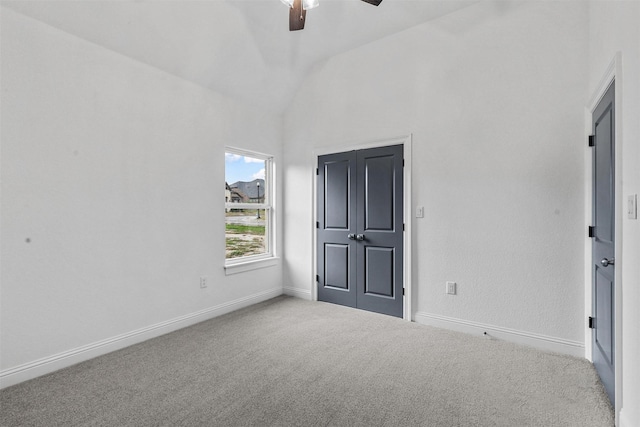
603, 242
360, 229
337, 228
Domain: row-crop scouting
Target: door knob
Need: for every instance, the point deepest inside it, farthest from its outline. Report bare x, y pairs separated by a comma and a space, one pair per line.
607, 262
351, 236
360, 237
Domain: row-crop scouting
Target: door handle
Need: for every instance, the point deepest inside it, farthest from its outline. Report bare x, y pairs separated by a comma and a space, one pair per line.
360, 237
607, 262
351, 236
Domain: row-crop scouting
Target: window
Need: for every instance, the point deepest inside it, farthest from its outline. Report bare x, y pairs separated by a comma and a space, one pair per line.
248, 207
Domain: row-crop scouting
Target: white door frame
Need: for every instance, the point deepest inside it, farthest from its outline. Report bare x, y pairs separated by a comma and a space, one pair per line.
340, 148
613, 73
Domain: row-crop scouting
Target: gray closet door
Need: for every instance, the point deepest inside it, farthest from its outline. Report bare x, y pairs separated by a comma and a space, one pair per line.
360, 229
337, 228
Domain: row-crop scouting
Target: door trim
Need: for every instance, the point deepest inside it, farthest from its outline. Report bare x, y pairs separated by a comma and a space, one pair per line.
613, 73
405, 140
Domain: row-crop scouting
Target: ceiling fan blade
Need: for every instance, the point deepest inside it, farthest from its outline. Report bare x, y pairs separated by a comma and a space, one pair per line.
297, 16
373, 2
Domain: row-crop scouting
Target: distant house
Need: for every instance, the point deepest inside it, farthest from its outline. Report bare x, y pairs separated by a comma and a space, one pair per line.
238, 196
247, 192
233, 194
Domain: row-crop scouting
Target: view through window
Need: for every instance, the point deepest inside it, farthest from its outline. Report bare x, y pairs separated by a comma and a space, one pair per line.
247, 205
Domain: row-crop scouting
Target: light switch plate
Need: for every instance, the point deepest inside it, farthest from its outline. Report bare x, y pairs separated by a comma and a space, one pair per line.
420, 212
632, 206
451, 288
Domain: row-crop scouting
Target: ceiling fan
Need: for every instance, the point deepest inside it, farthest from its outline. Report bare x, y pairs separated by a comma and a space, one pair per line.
298, 11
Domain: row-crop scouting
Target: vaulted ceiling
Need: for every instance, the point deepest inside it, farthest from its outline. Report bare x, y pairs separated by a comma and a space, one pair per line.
240, 48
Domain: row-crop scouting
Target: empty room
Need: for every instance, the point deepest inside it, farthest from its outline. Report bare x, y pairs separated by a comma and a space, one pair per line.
320, 213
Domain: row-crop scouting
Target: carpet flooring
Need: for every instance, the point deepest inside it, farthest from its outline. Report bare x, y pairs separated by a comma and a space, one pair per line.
290, 362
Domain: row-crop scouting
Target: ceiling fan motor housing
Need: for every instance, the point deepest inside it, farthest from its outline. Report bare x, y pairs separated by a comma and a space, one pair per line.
298, 11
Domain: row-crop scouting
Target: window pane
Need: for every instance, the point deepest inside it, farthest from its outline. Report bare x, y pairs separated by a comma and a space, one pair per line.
244, 178
246, 229
245, 233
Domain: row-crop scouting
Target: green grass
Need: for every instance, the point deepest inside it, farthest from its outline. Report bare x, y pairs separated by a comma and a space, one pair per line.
238, 247
245, 229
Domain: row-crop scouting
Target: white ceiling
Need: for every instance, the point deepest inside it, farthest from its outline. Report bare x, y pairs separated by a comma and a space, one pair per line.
241, 48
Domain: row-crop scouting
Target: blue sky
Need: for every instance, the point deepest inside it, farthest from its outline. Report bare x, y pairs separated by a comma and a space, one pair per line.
242, 168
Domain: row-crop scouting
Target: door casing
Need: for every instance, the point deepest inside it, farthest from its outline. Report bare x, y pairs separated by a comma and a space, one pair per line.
613, 72
338, 148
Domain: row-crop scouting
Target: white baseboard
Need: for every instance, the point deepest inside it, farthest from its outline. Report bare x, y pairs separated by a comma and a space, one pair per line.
624, 421
542, 342
298, 293
27, 371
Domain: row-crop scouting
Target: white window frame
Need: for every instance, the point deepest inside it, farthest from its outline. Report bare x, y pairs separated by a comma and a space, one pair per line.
268, 258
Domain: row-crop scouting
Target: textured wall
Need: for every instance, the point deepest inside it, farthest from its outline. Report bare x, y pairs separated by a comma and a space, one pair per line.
112, 192
494, 97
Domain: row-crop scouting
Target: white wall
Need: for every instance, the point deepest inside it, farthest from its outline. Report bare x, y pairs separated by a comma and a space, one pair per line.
112, 199
494, 97
614, 28
109, 169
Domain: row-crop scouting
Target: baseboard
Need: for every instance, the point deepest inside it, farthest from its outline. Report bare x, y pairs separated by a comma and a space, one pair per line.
298, 293
543, 342
27, 371
624, 421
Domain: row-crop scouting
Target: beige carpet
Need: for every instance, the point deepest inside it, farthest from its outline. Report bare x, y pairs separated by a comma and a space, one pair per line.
289, 362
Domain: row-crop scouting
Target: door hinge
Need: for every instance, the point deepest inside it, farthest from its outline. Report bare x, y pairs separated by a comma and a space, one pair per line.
402, 227
592, 140
317, 278
591, 322
403, 291
402, 162
592, 231
317, 224
317, 171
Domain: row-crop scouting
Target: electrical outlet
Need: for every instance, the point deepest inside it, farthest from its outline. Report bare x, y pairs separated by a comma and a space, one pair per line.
451, 288
203, 282
632, 206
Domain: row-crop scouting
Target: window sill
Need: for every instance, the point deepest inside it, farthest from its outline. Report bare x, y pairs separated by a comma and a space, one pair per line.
240, 267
